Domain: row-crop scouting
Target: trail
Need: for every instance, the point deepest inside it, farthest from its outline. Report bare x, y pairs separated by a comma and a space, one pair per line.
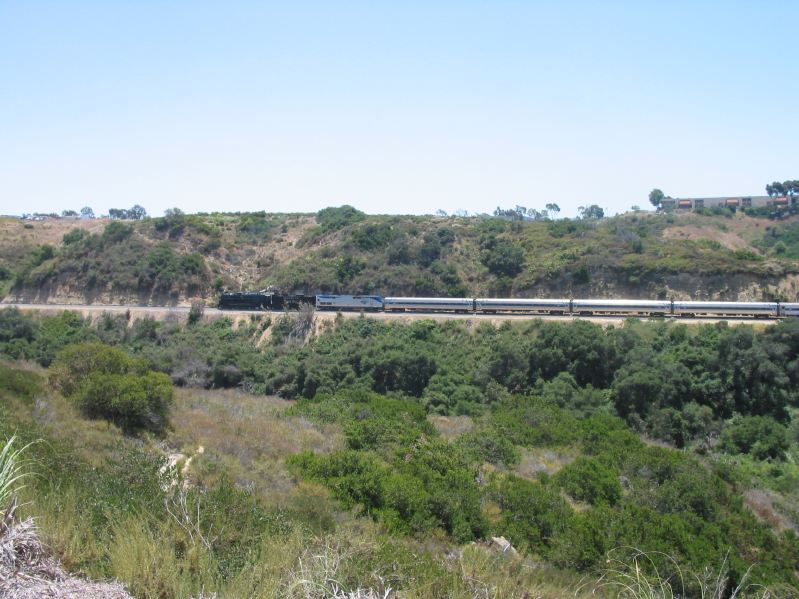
181, 312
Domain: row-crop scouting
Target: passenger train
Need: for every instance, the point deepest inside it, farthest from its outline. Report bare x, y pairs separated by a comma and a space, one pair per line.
468, 305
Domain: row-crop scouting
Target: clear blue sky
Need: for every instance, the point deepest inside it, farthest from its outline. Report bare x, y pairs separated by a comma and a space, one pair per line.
393, 107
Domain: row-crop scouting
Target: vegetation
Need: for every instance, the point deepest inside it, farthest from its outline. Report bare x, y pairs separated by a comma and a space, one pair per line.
392, 447
11, 472
106, 383
724, 394
517, 251
105, 509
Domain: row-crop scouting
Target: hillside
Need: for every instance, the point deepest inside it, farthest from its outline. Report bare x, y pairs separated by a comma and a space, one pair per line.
403, 458
173, 259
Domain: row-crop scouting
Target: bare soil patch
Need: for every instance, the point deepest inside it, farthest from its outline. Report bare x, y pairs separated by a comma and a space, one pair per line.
729, 239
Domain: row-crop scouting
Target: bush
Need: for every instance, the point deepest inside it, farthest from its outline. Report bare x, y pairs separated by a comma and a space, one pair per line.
532, 514
116, 232
107, 383
761, 437
589, 480
332, 219
131, 401
504, 258
196, 312
489, 446
73, 236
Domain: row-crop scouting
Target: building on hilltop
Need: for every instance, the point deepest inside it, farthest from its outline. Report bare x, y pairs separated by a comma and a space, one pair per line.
724, 202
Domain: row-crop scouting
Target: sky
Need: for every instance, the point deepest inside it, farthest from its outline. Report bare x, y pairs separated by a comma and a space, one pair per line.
392, 107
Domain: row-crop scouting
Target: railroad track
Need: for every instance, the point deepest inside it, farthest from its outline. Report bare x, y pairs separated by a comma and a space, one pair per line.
160, 312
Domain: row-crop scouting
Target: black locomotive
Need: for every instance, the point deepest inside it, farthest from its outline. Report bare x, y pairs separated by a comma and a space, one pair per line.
263, 300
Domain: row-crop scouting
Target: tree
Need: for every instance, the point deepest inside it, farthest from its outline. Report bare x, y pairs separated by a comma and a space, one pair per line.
553, 208
591, 212
68, 213
791, 189
106, 383
196, 312
137, 212
118, 213
87, 212
760, 436
656, 197
505, 258
517, 213
775, 189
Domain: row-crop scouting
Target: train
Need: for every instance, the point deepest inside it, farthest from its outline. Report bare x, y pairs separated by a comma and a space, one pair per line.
263, 300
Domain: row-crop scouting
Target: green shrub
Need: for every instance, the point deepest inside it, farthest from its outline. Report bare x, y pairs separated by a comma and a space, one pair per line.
589, 480
196, 312
332, 219
116, 232
73, 236
759, 436
19, 383
131, 401
489, 446
504, 258
430, 486
532, 514
106, 383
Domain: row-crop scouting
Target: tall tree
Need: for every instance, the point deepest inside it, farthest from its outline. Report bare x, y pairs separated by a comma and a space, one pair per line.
87, 212
656, 197
775, 189
137, 212
591, 212
553, 208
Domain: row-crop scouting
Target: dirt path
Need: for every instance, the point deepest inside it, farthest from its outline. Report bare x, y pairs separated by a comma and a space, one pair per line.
182, 312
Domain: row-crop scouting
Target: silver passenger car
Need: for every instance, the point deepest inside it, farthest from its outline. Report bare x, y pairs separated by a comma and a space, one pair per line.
448, 304
789, 309
762, 309
634, 307
541, 306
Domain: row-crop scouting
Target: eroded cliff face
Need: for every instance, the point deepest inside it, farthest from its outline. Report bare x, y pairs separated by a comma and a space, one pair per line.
67, 290
685, 286
172, 263
603, 284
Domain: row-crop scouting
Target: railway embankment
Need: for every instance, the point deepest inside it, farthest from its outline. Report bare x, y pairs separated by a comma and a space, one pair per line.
174, 260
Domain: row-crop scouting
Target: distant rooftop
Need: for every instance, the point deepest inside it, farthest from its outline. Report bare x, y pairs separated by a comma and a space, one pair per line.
730, 201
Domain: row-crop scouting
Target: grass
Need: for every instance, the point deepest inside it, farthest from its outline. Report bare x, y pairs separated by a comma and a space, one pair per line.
633, 574
245, 438
103, 509
106, 527
11, 472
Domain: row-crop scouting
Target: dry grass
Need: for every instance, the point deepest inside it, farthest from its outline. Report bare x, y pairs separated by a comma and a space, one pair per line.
96, 440
536, 460
246, 437
766, 505
451, 427
27, 567
727, 239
